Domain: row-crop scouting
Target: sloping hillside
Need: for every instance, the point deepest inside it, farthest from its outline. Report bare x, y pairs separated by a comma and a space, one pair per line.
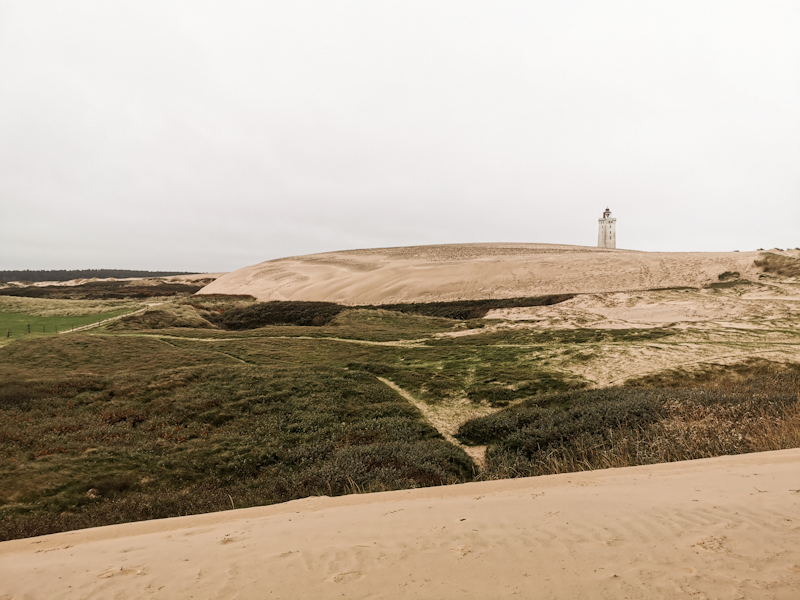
472, 271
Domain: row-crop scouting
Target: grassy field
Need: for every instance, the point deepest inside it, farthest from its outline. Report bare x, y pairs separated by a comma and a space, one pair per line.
22, 317
18, 325
167, 412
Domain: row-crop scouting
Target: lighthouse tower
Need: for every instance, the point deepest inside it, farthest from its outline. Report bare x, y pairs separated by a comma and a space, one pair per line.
607, 236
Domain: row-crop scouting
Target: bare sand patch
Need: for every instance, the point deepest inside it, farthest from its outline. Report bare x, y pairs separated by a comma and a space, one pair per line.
658, 308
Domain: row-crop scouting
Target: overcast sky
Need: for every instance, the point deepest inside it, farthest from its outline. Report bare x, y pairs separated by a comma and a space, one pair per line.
213, 135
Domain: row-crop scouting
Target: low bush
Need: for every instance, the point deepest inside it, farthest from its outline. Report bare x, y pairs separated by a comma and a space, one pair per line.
549, 421
464, 310
277, 312
728, 275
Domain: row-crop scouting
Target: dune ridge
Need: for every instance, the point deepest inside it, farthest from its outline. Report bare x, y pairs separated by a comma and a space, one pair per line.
724, 527
474, 271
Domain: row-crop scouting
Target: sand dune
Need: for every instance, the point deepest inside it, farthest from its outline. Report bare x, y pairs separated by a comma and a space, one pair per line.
716, 528
469, 271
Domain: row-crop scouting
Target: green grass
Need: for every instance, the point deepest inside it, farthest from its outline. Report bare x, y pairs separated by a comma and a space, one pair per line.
17, 323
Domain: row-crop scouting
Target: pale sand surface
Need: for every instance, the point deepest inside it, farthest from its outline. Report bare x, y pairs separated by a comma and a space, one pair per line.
722, 528
470, 271
749, 306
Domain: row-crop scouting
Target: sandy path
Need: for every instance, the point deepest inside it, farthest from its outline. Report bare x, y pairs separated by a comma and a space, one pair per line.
104, 321
722, 528
415, 343
446, 416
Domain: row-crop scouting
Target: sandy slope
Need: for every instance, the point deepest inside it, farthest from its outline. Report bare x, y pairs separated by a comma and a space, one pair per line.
748, 306
466, 271
717, 528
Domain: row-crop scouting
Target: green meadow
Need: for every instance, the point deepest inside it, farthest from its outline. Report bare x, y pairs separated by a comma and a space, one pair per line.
16, 325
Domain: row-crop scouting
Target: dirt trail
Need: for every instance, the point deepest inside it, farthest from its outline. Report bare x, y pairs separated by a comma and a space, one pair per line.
446, 416
417, 343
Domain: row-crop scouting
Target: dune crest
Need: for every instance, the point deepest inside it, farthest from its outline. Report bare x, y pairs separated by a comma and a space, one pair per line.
714, 528
473, 271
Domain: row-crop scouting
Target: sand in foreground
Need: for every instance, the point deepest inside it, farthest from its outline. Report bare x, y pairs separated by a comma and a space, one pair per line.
725, 527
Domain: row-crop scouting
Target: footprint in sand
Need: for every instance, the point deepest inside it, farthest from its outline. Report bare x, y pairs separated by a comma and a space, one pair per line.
347, 577
719, 544
115, 572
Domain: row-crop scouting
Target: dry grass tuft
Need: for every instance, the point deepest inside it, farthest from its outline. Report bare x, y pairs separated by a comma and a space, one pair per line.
163, 316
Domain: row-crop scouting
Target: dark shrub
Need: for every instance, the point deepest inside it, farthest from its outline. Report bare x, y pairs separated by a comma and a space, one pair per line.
278, 313
463, 310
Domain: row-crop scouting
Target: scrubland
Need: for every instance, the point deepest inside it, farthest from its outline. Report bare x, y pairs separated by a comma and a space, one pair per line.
204, 403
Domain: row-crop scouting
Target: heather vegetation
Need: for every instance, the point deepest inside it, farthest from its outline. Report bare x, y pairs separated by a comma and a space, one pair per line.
277, 313
474, 309
203, 403
92, 436
748, 407
260, 314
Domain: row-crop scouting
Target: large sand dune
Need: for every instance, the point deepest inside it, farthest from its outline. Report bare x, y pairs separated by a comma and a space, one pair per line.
721, 528
471, 271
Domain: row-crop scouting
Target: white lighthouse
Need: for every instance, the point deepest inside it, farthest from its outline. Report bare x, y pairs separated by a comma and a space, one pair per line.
607, 236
